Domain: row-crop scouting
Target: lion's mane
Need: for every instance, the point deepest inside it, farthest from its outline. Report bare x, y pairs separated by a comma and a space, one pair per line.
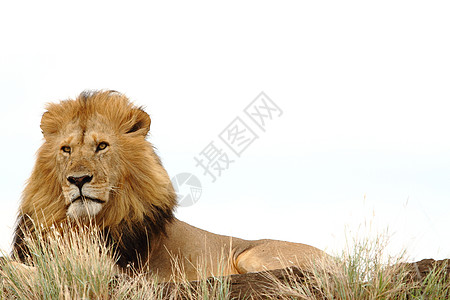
141, 204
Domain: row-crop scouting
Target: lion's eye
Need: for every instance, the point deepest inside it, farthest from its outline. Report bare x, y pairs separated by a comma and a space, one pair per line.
66, 149
102, 146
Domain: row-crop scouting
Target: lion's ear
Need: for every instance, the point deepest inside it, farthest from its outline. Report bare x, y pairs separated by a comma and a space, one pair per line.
139, 123
49, 125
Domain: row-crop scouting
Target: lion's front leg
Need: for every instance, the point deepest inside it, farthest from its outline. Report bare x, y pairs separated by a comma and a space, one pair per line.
18, 268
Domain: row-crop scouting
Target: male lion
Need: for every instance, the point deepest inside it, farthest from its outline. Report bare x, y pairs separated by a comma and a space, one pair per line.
96, 167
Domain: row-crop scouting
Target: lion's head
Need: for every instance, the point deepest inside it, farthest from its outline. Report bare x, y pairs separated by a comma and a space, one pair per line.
96, 164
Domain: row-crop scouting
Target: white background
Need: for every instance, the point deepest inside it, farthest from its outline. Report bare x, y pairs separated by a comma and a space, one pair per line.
364, 86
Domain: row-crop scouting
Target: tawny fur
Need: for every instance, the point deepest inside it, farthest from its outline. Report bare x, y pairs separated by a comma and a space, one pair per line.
100, 137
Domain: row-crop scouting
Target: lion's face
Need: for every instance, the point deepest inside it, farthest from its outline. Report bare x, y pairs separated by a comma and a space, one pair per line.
85, 161
96, 162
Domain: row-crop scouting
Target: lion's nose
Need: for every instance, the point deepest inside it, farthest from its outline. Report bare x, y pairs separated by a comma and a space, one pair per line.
79, 181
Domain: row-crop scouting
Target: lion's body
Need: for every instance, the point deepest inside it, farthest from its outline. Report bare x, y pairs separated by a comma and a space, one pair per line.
96, 167
224, 255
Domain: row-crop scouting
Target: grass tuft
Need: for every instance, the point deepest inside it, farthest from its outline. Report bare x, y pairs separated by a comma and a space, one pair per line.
76, 264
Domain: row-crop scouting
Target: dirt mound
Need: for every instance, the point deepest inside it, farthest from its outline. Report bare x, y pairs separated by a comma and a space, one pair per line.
420, 269
260, 285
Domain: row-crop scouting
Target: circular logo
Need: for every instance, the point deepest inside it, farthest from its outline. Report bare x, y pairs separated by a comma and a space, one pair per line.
188, 189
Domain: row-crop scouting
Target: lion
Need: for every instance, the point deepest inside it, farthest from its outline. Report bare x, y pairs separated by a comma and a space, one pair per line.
97, 167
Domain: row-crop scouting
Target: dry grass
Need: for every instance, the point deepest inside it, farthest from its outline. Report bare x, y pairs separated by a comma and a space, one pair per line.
78, 265
70, 266
364, 272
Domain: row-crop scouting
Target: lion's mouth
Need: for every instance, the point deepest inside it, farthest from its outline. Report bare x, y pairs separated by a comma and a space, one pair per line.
85, 199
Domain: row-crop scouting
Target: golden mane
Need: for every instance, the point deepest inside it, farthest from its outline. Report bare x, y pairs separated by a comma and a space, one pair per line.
142, 203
